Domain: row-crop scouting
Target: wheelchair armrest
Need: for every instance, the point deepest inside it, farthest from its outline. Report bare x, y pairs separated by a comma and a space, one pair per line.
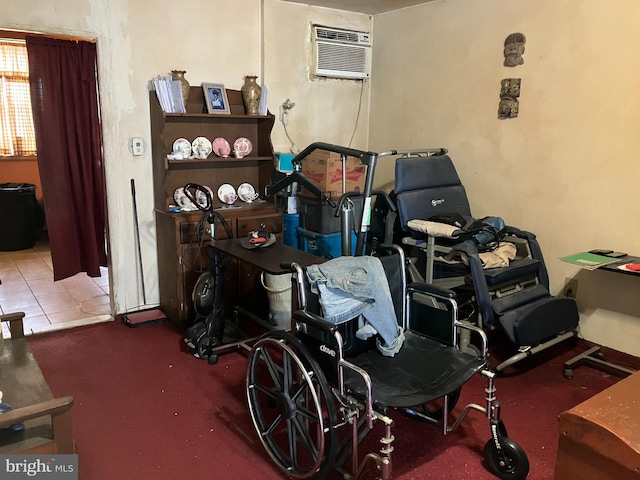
430, 289
480, 332
535, 250
315, 321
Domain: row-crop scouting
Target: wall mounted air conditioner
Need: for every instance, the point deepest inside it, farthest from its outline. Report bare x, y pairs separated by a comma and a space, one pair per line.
341, 53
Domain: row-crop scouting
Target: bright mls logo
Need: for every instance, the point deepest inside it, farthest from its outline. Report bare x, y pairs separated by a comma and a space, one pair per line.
50, 467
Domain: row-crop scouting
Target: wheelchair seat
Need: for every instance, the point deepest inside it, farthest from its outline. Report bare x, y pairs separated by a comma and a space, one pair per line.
305, 389
430, 370
515, 297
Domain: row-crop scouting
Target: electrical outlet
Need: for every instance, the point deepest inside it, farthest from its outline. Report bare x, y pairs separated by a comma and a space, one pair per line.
570, 288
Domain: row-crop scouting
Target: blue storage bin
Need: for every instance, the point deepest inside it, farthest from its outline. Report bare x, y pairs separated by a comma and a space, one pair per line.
284, 162
291, 224
326, 245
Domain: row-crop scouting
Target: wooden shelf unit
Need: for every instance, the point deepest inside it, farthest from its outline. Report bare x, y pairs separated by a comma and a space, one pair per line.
181, 257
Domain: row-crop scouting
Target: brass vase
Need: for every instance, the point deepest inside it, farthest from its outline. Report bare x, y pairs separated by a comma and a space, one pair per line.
251, 94
179, 76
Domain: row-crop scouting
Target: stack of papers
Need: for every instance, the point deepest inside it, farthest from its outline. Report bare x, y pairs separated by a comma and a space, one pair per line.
589, 261
169, 94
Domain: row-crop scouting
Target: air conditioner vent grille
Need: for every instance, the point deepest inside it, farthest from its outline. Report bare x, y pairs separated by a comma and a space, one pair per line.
337, 35
334, 57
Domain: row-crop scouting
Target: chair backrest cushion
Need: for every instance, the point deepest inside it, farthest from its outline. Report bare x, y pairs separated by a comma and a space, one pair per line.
428, 186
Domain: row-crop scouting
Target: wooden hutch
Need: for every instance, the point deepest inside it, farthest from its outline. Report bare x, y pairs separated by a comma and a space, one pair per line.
182, 253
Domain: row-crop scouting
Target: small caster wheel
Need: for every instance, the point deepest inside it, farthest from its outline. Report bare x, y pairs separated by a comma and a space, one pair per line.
205, 347
568, 373
213, 359
600, 356
513, 464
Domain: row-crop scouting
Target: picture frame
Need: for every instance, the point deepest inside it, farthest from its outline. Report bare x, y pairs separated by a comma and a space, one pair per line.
216, 99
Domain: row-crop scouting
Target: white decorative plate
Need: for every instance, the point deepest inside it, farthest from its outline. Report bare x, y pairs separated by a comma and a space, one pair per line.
242, 147
183, 146
183, 201
247, 193
201, 198
227, 194
221, 147
201, 147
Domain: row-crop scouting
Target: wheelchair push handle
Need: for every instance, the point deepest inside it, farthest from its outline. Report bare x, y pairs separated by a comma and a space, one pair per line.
415, 153
364, 156
348, 195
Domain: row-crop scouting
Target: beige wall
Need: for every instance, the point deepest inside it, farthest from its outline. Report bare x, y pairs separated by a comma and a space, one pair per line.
214, 41
326, 109
567, 167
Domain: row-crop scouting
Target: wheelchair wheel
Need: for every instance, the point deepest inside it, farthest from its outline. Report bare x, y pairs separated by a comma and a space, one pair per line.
517, 464
292, 407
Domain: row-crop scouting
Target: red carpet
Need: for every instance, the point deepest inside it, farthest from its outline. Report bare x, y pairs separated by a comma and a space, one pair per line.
146, 408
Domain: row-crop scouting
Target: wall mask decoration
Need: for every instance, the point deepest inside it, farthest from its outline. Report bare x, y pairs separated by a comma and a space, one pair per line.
509, 93
514, 49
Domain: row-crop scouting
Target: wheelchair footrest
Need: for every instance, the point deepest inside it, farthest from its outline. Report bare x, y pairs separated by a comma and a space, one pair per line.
543, 319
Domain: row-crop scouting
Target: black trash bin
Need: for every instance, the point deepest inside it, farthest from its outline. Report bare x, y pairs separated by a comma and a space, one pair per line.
21, 217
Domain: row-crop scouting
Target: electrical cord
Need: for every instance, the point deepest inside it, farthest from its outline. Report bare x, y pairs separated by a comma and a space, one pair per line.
293, 148
355, 126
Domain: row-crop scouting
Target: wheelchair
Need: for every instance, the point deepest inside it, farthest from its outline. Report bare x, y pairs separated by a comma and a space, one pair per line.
514, 298
315, 393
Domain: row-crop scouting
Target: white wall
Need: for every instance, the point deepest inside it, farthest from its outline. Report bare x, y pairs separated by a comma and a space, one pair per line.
214, 41
327, 110
567, 167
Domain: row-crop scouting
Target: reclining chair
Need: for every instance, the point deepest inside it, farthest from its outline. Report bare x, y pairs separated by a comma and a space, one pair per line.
516, 297
306, 388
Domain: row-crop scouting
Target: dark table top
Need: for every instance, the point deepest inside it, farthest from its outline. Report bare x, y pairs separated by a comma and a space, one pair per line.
613, 267
268, 258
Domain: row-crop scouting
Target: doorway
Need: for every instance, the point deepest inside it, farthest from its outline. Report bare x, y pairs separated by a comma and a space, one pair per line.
26, 276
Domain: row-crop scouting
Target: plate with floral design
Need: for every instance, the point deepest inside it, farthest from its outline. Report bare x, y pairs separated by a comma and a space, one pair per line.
201, 147
242, 147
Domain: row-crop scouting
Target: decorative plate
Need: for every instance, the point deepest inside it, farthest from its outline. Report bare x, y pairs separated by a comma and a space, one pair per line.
221, 147
227, 194
247, 193
183, 201
201, 198
183, 146
242, 147
201, 147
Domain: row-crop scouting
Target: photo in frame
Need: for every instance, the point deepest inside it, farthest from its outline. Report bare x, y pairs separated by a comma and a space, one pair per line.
215, 96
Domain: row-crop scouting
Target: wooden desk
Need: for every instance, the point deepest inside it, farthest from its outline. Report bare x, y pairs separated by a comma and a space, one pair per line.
600, 438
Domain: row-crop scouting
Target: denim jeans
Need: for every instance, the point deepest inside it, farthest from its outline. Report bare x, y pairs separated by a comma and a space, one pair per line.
352, 286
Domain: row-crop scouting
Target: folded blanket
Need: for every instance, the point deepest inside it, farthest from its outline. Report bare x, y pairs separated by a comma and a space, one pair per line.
435, 229
500, 257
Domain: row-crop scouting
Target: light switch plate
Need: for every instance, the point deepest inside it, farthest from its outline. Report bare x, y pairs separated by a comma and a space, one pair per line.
137, 146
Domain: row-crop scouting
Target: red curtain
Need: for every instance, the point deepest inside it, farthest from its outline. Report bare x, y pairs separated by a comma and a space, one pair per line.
64, 98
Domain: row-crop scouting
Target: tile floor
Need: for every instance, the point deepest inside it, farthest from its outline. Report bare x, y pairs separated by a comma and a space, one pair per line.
28, 286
